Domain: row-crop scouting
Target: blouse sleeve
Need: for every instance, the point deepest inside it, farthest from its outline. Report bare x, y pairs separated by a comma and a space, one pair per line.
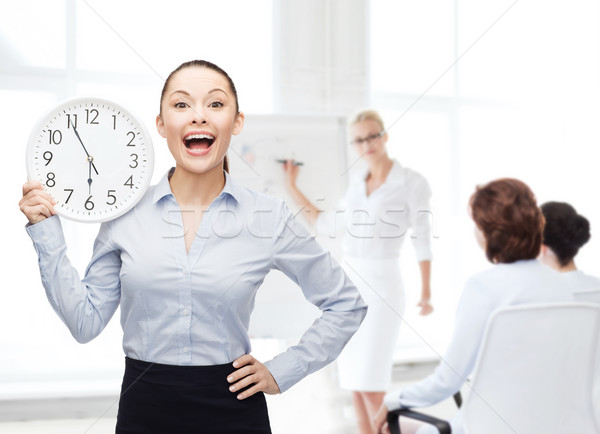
459, 360
324, 284
85, 306
420, 217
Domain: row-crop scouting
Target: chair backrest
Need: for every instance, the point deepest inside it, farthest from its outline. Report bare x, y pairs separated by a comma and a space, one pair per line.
591, 296
535, 371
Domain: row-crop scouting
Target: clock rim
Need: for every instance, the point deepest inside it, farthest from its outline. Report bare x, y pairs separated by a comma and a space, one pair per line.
144, 188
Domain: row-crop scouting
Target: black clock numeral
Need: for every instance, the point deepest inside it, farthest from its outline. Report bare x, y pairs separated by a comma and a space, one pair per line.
48, 157
129, 182
70, 190
55, 136
132, 138
114, 122
89, 205
135, 160
94, 114
50, 182
112, 196
70, 123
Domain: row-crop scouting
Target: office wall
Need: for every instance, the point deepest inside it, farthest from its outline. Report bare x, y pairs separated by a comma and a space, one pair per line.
471, 90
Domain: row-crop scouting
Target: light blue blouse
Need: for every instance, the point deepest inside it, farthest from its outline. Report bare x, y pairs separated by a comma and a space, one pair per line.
194, 308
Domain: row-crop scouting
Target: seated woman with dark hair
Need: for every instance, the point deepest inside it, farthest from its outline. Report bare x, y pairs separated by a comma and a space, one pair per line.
565, 233
508, 226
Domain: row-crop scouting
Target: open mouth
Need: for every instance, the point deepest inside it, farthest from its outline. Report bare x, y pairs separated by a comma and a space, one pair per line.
198, 142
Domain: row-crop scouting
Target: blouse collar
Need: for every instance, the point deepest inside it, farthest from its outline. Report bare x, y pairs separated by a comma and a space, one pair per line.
396, 176
163, 188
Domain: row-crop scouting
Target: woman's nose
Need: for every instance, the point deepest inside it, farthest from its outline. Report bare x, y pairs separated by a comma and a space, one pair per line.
198, 116
365, 145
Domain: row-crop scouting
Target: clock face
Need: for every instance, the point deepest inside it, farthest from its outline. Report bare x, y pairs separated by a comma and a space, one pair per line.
93, 157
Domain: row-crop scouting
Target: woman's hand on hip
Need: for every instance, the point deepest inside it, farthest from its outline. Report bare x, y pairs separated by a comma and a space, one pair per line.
36, 204
250, 372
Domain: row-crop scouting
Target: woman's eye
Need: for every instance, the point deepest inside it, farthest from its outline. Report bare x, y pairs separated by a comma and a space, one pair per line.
216, 104
180, 105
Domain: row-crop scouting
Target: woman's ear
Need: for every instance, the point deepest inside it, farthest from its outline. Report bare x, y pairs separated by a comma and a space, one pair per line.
238, 124
547, 256
160, 126
480, 237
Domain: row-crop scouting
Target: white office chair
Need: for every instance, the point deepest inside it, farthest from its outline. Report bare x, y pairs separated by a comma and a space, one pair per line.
535, 373
591, 296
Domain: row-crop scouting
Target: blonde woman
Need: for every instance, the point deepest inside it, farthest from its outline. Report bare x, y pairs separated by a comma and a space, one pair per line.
380, 205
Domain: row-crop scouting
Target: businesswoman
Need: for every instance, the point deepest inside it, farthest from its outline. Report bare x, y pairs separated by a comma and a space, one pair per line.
380, 205
565, 233
508, 226
185, 265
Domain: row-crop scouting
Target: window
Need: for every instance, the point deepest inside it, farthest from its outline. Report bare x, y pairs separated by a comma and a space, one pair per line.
122, 51
475, 91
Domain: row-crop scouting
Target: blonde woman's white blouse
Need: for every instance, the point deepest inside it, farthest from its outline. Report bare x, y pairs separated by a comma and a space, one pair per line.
376, 225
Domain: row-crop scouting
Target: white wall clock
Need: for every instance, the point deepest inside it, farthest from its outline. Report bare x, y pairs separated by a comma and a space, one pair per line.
94, 157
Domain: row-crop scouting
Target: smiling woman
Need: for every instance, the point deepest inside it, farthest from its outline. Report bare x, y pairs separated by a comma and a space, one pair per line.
67, 49
188, 102
186, 293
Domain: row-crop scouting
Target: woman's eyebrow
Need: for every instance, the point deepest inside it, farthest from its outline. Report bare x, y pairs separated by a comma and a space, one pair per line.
216, 89
180, 91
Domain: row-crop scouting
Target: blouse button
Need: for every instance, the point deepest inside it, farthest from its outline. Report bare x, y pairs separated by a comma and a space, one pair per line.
185, 349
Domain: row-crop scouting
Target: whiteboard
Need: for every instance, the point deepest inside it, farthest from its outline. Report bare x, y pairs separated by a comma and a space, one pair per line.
319, 142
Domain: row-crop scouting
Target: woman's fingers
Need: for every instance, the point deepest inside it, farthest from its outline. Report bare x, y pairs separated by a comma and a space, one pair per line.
252, 373
291, 171
243, 360
240, 373
37, 213
31, 185
36, 204
41, 210
426, 307
251, 391
37, 199
380, 420
34, 189
385, 429
244, 382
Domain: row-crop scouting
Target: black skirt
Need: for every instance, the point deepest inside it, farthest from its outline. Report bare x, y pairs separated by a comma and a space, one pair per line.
168, 399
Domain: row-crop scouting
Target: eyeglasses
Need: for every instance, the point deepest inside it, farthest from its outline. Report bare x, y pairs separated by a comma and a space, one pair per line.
367, 139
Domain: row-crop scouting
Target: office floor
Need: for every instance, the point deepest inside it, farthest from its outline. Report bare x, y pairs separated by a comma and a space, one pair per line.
316, 405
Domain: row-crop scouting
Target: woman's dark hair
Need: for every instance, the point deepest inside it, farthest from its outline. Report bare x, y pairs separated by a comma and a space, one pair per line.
506, 212
565, 231
208, 65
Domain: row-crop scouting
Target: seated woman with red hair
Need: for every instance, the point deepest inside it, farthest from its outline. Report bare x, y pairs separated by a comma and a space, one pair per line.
509, 227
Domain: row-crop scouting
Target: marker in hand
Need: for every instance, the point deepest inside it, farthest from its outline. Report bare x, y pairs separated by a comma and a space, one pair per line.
294, 163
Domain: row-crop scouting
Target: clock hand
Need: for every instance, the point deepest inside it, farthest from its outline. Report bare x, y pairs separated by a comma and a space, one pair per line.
86, 152
90, 176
